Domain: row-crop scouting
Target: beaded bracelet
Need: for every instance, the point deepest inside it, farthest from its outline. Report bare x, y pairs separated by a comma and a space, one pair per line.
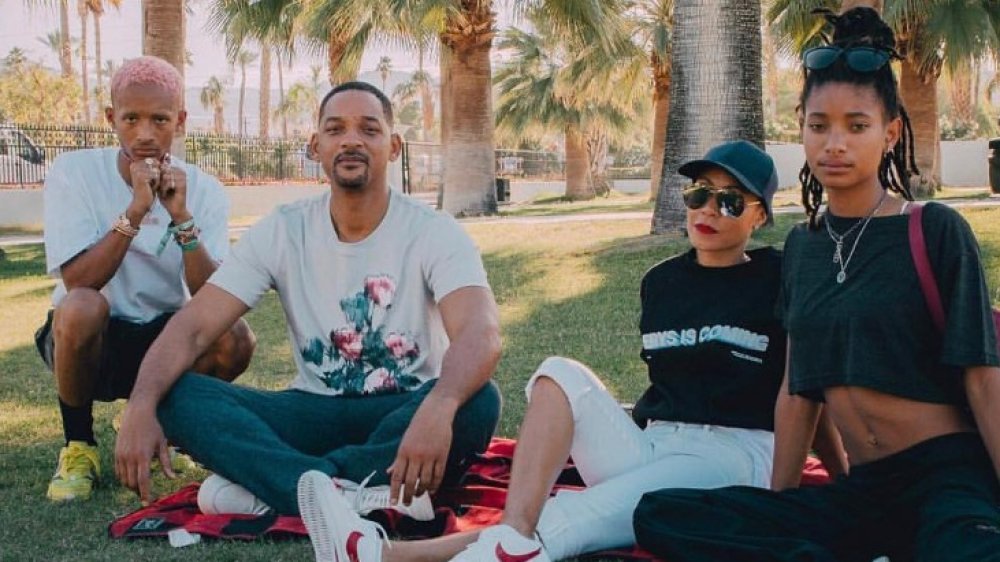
172, 229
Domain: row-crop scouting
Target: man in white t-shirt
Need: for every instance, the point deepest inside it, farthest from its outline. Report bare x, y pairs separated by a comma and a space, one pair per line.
393, 328
129, 233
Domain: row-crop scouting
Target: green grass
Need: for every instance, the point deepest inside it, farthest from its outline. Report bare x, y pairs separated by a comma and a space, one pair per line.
21, 230
563, 288
558, 205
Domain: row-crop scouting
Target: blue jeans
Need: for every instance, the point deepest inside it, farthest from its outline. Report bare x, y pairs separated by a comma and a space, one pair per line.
264, 440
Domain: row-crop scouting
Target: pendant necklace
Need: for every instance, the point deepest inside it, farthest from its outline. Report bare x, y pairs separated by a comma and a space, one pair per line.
838, 239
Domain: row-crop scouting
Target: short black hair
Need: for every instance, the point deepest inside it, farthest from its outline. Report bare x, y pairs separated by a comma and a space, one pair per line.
362, 87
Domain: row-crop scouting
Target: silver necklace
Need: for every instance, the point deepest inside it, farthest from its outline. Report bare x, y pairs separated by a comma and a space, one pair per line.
838, 239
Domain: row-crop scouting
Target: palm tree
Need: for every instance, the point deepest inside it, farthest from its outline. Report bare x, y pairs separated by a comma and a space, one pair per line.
84, 13
555, 84
931, 35
164, 33
419, 86
466, 34
96, 8
213, 96
273, 24
243, 58
265, 93
65, 51
716, 91
654, 21
302, 101
384, 68
465, 30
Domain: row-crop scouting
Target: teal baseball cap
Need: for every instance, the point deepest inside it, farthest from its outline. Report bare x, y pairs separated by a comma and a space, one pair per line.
746, 162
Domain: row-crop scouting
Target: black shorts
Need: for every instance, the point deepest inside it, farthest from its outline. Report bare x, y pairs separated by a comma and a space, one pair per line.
125, 344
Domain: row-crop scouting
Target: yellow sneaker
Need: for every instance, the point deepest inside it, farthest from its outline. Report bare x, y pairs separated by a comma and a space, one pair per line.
77, 474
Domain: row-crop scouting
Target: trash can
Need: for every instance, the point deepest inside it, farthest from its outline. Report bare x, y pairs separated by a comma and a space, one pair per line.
994, 160
503, 189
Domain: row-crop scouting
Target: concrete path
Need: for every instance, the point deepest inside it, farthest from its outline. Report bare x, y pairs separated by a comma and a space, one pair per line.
993, 201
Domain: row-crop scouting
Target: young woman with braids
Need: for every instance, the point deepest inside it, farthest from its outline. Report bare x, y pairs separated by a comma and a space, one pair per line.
915, 407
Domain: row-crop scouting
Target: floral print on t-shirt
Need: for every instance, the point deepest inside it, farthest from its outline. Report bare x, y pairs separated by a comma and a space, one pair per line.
362, 358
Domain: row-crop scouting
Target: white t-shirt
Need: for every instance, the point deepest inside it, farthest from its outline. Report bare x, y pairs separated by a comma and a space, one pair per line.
84, 195
362, 317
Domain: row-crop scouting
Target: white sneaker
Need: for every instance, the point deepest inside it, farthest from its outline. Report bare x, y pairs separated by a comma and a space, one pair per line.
504, 544
337, 532
366, 500
219, 495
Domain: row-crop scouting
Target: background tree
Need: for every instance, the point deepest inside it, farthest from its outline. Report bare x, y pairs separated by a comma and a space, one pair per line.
96, 8
384, 68
559, 84
213, 96
65, 51
716, 91
52, 98
931, 35
242, 60
653, 20
301, 104
164, 35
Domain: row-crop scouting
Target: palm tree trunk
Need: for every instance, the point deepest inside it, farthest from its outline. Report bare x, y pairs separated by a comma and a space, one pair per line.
661, 113
919, 95
164, 33
960, 90
219, 120
715, 91
98, 63
444, 62
578, 185
265, 92
84, 12
470, 166
243, 91
281, 100
426, 98
597, 159
65, 53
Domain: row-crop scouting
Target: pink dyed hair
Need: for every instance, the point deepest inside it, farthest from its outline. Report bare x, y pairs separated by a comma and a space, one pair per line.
150, 71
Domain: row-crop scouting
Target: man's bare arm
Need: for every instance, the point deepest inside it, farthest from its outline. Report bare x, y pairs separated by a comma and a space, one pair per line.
472, 322
188, 334
95, 266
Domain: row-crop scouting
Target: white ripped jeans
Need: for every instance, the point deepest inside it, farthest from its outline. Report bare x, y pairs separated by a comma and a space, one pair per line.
620, 462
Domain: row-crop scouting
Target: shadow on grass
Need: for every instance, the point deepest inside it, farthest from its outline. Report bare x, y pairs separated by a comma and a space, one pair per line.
598, 327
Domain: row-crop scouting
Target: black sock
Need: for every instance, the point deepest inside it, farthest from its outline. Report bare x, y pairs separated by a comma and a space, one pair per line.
78, 422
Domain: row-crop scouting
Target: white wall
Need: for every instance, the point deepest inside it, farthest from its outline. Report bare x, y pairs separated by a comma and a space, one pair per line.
963, 165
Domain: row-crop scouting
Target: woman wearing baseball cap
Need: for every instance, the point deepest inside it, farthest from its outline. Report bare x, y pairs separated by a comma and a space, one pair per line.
715, 353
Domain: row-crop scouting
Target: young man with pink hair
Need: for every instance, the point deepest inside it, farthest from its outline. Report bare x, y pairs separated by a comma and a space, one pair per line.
130, 234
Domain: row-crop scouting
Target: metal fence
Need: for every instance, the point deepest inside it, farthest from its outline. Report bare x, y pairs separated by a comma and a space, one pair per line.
27, 151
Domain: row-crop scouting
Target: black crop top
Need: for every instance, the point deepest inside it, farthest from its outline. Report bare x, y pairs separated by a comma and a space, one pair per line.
874, 330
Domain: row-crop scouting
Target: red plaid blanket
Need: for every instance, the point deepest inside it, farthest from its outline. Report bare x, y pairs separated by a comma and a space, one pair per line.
476, 503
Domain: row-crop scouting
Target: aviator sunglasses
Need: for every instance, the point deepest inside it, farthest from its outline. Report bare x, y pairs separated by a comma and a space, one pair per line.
730, 200
858, 59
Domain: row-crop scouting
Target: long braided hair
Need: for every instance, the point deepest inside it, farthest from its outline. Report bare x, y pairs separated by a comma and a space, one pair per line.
862, 26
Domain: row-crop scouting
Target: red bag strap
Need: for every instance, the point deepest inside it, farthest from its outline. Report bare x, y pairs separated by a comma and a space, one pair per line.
918, 249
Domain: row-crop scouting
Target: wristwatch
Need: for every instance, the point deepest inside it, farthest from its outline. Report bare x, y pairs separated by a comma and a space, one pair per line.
123, 226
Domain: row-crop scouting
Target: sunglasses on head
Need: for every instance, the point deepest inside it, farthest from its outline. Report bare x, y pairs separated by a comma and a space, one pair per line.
858, 59
730, 200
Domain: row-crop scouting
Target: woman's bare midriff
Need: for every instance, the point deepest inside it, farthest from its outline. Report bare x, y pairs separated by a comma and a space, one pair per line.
875, 425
